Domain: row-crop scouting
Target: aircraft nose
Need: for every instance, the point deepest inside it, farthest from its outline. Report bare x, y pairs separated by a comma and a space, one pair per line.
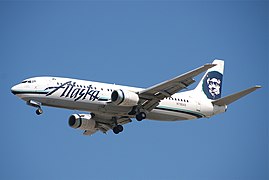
14, 89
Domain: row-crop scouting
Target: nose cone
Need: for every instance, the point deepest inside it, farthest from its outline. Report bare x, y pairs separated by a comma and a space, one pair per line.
14, 89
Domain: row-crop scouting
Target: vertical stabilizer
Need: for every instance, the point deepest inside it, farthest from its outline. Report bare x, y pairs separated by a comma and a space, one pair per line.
210, 86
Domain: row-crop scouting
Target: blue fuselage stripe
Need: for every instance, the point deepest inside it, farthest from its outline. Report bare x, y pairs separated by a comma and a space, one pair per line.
29, 92
181, 111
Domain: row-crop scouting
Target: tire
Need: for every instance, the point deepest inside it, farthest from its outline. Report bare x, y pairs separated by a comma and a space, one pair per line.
141, 116
39, 111
120, 128
116, 130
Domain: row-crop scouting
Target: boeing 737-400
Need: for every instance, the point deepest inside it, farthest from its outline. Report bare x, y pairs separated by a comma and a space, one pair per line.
109, 106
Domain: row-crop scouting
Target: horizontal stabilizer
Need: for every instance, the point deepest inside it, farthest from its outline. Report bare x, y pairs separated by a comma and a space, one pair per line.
231, 98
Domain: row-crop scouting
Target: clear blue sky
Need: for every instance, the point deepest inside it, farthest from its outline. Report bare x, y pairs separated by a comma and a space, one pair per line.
138, 44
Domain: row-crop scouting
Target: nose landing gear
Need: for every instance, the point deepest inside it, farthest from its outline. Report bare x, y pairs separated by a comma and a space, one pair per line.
37, 105
39, 111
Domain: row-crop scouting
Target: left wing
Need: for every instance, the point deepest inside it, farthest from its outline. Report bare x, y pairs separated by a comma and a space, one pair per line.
105, 124
150, 97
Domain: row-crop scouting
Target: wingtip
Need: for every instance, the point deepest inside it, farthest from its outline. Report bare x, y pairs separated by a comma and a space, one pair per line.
258, 86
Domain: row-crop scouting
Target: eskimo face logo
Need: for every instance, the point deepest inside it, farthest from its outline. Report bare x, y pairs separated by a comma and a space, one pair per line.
212, 85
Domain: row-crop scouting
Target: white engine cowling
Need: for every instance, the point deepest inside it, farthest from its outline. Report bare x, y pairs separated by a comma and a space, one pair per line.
82, 121
124, 98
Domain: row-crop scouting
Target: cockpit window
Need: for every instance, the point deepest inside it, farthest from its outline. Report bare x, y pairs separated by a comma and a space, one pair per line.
29, 81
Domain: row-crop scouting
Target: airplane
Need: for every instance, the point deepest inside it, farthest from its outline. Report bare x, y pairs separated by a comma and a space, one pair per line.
110, 106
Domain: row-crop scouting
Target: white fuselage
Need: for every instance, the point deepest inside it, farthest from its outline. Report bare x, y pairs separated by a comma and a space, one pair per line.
110, 106
95, 97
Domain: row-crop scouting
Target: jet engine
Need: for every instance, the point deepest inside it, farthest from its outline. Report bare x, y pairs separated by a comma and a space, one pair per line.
82, 121
124, 98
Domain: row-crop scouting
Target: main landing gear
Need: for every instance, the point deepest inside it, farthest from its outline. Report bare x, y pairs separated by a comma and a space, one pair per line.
140, 116
117, 128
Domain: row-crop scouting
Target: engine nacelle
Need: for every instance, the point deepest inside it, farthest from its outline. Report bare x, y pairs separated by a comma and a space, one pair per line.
124, 98
82, 121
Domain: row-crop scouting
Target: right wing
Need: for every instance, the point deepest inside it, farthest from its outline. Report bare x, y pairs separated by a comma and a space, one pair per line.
150, 97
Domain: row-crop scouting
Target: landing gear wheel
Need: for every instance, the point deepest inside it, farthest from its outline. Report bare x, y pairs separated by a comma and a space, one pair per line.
39, 111
140, 116
117, 129
120, 128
